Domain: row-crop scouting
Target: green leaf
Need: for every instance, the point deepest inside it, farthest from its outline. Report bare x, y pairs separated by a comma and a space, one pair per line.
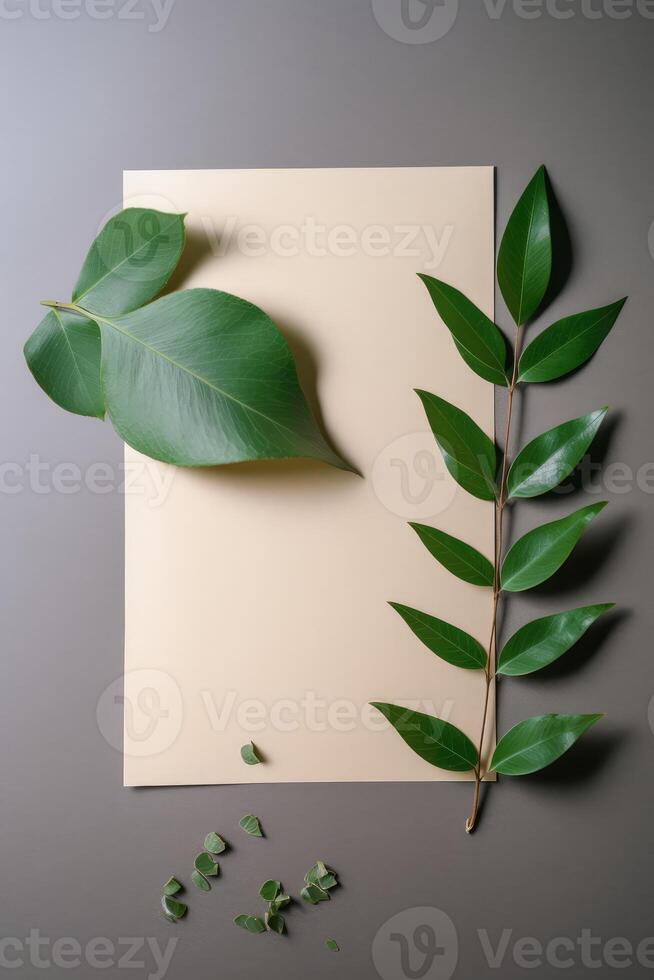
200, 881
541, 552
524, 263
317, 873
172, 908
551, 457
543, 641
206, 865
214, 843
448, 642
477, 339
435, 741
332, 945
270, 890
172, 886
251, 825
457, 557
249, 754
327, 882
467, 452
535, 743
251, 923
63, 354
280, 902
275, 922
567, 344
314, 894
201, 378
130, 261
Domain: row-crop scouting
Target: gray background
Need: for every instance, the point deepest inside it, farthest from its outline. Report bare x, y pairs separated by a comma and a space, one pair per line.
308, 83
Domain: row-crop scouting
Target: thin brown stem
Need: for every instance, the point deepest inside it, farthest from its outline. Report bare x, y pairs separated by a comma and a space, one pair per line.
500, 503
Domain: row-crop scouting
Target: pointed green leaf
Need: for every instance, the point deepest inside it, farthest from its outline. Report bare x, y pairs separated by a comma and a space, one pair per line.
200, 881
541, 552
332, 945
467, 451
477, 339
172, 908
435, 741
543, 641
275, 922
214, 843
172, 886
537, 742
448, 642
567, 344
251, 825
130, 261
461, 559
270, 890
314, 894
251, 923
205, 864
249, 754
63, 354
201, 378
524, 263
550, 458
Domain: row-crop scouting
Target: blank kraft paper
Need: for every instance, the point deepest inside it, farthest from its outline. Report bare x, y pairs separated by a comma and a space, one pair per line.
257, 595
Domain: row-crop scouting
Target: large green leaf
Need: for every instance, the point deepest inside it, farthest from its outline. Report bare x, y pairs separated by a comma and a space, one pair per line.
536, 742
448, 642
543, 641
63, 354
524, 263
200, 378
460, 558
567, 344
550, 458
467, 451
541, 552
435, 741
478, 340
130, 261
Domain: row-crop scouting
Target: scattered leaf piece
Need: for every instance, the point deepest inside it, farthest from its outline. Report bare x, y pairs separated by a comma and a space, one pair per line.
251, 825
172, 908
280, 902
332, 945
327, 881
275, 922
214, 843
200, 881
249, 754
251, 923
172, 886
314, 894
206, 865
270, 890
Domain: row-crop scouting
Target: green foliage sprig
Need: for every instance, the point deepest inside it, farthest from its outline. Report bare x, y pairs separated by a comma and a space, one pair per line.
196, 378
523, 271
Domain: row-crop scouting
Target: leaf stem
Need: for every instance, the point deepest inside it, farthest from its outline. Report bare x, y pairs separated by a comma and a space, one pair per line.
500, 503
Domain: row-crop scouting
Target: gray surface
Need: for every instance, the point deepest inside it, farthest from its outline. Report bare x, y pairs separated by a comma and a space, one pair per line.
239, 83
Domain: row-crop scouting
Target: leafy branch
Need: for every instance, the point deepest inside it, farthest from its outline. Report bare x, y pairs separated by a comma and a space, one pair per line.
196, 378
523, 272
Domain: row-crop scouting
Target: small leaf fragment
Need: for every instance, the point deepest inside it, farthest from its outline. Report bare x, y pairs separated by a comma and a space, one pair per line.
172, 886
332, 945
249, 754
270, 890
275, 922
314, 894
214, 843
319, 870
172, 908
206, 865
280, 902
200, 881
251, 923
251, 825
327, 882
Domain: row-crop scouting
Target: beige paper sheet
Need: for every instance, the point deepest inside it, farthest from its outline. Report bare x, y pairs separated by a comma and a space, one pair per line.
256, 595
